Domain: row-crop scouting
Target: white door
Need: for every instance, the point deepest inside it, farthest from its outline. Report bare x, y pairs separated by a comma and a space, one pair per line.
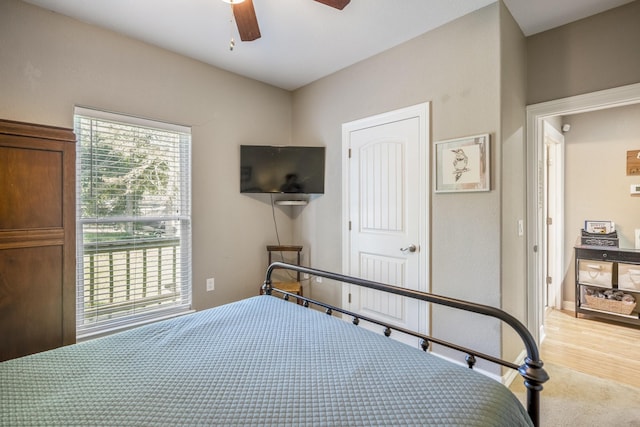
386, 200
554, 212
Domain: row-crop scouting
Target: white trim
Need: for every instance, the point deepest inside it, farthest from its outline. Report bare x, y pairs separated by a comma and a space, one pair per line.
111, 324
458, 362
130, 120
553, 134
536, 114
130, 325
569, 305
512, 374
509, 376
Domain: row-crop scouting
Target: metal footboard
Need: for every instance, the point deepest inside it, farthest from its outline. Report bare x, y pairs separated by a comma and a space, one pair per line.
531, 370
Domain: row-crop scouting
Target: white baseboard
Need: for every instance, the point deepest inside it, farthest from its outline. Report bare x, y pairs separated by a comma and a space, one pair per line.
512, 374
569, 305
506, 379
475, 368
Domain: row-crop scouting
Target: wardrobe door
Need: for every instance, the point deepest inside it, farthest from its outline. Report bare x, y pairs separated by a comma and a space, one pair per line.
37, 238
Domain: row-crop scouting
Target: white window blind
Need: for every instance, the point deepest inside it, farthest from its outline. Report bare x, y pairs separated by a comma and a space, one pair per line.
134, 221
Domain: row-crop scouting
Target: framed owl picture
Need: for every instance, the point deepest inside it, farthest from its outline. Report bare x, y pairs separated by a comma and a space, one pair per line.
462, 164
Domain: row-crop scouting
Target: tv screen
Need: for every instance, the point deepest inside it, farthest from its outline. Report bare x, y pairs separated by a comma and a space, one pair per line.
281, 169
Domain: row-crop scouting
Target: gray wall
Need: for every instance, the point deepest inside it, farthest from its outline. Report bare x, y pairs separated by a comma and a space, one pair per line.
512, 174
458, 68
595, 53
49, 63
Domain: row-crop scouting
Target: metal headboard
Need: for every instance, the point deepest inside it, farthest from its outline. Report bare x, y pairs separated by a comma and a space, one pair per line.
531, 370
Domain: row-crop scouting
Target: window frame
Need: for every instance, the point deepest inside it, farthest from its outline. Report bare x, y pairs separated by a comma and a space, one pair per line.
182, 218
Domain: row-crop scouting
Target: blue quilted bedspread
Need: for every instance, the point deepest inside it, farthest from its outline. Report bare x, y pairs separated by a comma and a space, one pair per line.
260, 361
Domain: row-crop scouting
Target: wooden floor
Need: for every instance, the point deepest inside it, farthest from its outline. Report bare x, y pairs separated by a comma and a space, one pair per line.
595, 347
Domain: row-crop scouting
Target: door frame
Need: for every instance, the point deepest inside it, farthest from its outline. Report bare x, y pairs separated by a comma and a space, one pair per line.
422, 112
536, 115
554, 191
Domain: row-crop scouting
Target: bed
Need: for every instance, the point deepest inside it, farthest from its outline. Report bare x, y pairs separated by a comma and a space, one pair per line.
262, 361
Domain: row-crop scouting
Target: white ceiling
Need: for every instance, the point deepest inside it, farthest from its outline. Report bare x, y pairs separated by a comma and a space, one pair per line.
302, 40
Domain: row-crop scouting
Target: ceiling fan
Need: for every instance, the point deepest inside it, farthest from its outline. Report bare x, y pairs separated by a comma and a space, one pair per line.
247, 22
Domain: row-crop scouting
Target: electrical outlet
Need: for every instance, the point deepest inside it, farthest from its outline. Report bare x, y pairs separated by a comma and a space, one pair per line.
211, 284
305, 275
637, 238
319, 279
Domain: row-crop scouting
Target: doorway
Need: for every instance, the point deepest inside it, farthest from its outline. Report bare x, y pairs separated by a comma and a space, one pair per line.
385, 237
537, 115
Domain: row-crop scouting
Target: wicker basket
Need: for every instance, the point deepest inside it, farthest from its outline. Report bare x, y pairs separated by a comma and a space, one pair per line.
604, 304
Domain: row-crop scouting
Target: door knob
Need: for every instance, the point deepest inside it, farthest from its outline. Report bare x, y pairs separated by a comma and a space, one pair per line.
410, 248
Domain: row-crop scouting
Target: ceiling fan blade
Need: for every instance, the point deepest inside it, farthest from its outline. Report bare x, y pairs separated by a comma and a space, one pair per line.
246, 20
338, 4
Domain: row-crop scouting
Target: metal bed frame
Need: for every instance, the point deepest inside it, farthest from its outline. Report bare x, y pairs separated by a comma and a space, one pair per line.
531, 370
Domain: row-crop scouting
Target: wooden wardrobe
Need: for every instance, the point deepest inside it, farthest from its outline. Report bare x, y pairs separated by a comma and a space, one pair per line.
37, 238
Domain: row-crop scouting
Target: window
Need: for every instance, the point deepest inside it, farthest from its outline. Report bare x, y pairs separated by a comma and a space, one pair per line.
133, 239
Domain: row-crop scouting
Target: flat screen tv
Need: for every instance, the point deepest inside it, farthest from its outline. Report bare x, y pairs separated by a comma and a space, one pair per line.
281, 169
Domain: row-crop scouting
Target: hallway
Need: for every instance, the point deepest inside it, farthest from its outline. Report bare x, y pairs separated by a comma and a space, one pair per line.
595, 347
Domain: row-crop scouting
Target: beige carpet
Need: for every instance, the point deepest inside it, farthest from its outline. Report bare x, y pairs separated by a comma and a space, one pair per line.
571, 398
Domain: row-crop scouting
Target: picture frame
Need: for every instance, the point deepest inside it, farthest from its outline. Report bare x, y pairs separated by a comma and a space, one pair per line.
633, 162
462, 164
